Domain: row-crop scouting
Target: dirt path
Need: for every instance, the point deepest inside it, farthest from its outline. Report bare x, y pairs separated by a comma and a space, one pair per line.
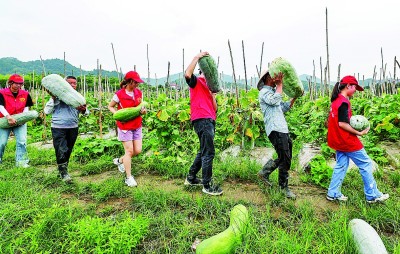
250, 192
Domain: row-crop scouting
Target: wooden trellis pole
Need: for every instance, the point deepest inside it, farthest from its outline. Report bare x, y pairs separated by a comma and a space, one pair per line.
321, 85
262, 52
99, 98
115, 61
234, 76
327, 53
148, 71
244, 63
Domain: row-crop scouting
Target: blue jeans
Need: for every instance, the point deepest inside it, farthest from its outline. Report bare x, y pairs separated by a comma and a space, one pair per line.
205, 130
364, 163
20, 133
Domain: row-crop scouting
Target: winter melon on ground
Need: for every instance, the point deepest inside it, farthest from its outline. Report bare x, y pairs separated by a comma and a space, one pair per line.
209, 68
21, 118
60, 88
127, 114
366, 238
292, 85
227, 241
359, 122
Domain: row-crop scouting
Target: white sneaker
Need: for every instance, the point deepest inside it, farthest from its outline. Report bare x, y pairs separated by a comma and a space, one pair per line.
380, 199
23, 165
121, 167
341, 198
130, 181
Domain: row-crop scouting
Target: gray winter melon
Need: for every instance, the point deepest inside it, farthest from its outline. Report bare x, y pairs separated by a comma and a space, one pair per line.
359, 122
292, 85
209, 68
60, 88
21, 118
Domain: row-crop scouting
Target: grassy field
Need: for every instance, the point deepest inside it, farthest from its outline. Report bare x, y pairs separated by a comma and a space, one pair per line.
97, 213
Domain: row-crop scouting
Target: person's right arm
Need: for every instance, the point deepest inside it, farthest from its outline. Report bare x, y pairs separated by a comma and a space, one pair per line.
5, 113
190, 69
344, 121
114, 101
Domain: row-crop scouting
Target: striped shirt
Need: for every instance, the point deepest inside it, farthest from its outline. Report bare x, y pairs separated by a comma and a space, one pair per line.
273, 108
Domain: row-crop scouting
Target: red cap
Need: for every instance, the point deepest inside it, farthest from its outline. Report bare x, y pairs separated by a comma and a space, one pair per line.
352, 81
15, 78
133, 75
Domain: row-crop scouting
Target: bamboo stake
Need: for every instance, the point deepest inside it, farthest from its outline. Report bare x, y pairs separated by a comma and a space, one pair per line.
99, 98
64, 64
44, 69
115, 61
321, 85
327, 53
262, 52
234, 76
314, 81
244, 63
148, 70
338, 71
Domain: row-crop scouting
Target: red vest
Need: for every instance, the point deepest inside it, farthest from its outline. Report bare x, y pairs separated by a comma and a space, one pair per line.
126, 101
14, 105
201, 101
338, 138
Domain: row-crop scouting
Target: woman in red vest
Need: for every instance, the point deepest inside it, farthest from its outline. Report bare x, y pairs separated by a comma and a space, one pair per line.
130, 132
14, 100
344, 139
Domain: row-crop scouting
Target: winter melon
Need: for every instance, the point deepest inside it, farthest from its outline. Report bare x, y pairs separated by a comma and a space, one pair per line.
209, 68
127, 114
359, 122
60, 88
21, 118
366, 238
292, 85
227, 241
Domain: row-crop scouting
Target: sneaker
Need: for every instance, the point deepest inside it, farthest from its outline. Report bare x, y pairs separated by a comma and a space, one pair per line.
66, 178
22, 165
213, 190
380, 199
264, 177
341, 198
288, 193
130, 181
194, 182
121, 167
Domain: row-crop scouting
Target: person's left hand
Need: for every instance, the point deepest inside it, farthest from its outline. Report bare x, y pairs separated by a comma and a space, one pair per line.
277, 79
81, 108
143, 110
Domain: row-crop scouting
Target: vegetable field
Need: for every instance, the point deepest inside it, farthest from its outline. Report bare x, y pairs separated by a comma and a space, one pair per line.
98, 213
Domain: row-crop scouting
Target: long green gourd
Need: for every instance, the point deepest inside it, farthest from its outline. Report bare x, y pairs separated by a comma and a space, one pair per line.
21, 118
209, 68
127, 114
60, 88
292, 85
227, 241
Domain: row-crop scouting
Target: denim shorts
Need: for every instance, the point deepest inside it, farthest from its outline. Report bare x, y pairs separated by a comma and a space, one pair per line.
130, 135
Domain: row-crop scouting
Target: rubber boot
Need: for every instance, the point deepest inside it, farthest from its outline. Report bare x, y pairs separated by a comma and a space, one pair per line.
266, 171
63, 169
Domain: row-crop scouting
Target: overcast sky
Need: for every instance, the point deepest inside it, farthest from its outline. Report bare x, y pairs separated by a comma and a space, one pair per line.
295, 30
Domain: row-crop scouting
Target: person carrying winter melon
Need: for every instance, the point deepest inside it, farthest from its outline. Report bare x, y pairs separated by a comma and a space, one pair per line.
344, 139
14, 100
129, 132
64, 129
273, 109
203, 108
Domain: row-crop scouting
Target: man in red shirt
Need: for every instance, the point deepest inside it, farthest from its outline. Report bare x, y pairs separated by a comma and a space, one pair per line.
203, 108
